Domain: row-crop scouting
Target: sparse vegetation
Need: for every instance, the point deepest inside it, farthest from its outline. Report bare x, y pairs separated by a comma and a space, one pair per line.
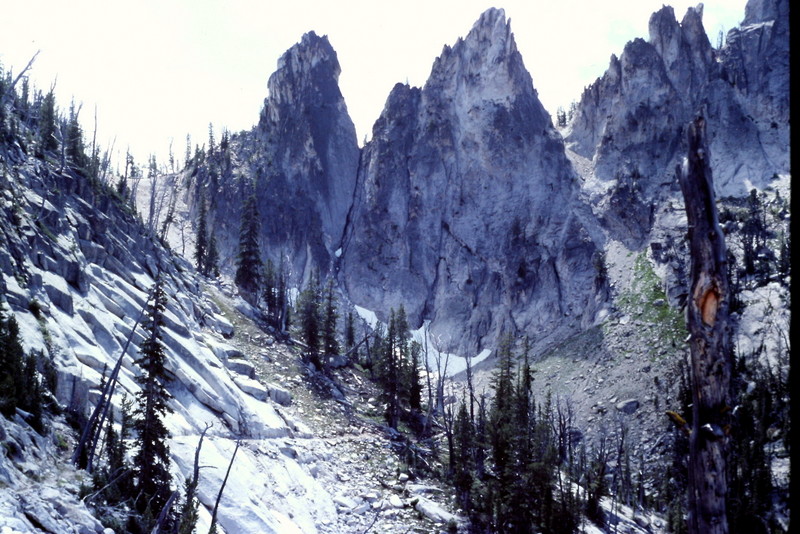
20, 383
645, 301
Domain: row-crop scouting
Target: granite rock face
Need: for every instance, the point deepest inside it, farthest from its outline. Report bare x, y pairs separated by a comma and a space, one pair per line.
468, 208
464, 211
629, 123
300, 161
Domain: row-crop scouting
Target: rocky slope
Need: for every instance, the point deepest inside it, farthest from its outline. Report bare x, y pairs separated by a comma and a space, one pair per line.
629, 123
76, 269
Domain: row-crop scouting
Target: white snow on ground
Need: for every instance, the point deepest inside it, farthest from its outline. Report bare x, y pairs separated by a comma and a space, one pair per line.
367, 315
267, 491
447, 363
765, 321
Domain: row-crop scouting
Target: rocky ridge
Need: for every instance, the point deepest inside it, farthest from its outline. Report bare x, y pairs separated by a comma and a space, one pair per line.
300, 162
629, 122
465, 208
469, 208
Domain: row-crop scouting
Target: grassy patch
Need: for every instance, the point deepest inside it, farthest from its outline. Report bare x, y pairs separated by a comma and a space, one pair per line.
646, 301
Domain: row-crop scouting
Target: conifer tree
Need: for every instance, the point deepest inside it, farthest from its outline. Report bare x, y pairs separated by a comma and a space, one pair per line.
151, 461
464, 452
329, 341
201, 243
225, 141
389, 371
20, 383
123, 189
501, 435
561, 117
211, 144
47, 124
249, 274
75, 151
501, 414
310, 316
414, 386
275, 293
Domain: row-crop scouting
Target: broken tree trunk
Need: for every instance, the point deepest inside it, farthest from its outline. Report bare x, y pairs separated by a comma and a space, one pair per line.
711, 356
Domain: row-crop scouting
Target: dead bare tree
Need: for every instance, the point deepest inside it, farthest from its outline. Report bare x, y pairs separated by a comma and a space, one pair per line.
83, 455
213, 528
188, 518
710, 340
172, 201
9, 90
429, 415
442, 360
152, 176
162, 517
95, 158
470, 388
562, 425
105, 163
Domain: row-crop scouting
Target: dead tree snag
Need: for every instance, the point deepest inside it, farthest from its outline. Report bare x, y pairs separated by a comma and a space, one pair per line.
711, 356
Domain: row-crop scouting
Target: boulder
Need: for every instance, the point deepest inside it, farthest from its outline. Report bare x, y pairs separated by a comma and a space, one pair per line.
342, 501
58, 292
252, 387
240, 366
278, 394
433, 511
628, 406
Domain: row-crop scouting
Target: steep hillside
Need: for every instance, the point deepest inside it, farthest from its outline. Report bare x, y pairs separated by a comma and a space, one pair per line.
77, 266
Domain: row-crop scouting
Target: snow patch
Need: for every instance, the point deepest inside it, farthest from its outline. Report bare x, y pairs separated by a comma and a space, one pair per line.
447, 363
367, 315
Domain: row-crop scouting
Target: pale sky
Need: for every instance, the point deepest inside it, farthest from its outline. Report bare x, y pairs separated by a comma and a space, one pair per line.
158, 69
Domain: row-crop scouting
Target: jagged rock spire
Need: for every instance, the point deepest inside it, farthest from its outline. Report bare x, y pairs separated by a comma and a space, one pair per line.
464, 201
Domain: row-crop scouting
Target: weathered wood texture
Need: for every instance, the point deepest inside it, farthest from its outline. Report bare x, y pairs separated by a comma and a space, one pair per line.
711, 355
